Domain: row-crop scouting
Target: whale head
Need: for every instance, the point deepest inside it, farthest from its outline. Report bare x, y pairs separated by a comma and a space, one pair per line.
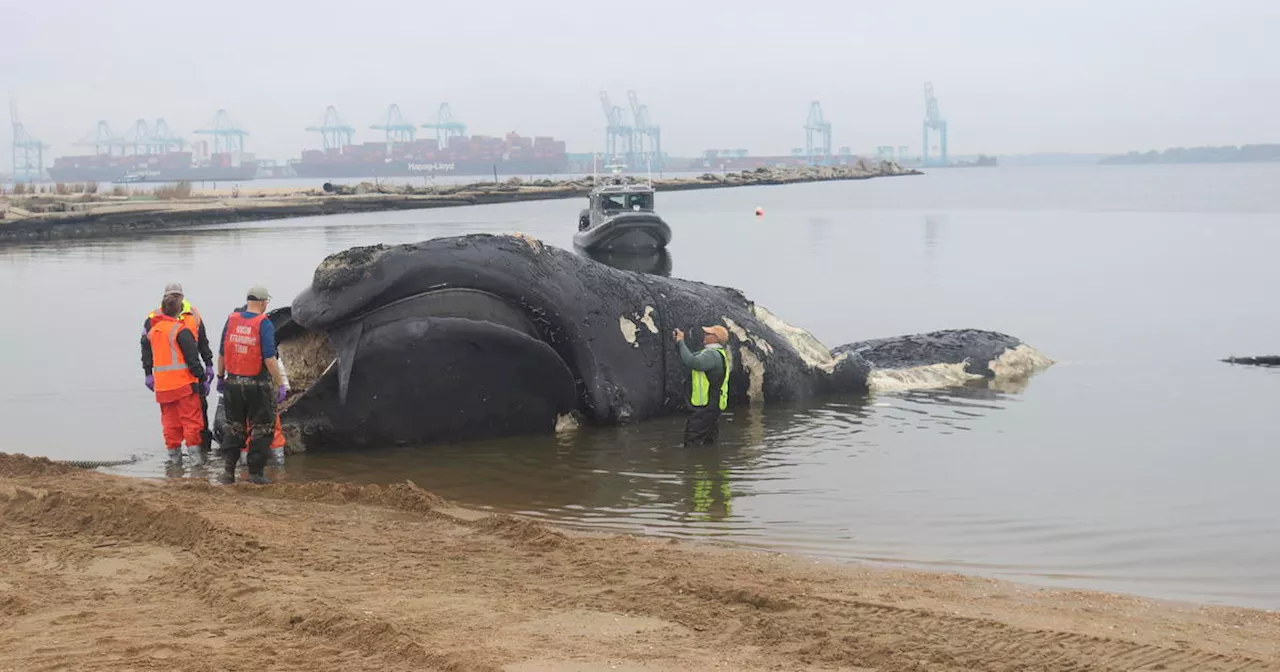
472, 341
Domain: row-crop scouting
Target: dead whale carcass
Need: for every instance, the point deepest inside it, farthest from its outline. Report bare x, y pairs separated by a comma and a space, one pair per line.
483, 335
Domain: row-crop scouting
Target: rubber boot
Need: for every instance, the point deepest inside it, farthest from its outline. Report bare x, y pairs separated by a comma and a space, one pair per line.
228, 475
257, 464
173, 463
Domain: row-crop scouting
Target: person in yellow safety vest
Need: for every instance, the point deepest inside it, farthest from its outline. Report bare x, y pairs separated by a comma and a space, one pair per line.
709, 384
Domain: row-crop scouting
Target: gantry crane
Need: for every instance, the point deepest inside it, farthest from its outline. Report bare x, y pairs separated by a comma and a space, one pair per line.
28, 152
816, 124
101, 138
397, 128
334, 133
162, 139
227, 135
933, 120
648, 136
619, 137
446, 127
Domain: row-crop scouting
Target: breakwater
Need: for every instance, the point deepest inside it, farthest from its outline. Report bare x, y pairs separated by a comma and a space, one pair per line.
50, 217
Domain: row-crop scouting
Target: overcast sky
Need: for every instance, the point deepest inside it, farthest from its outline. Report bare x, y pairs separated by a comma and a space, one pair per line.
1012, 76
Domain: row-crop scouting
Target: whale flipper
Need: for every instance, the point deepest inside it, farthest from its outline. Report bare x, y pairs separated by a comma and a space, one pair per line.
346, 341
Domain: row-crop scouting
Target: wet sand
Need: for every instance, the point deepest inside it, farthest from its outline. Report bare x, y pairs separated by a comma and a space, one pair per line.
107, 572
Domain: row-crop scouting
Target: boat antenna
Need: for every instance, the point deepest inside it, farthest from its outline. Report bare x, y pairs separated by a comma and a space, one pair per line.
648, 167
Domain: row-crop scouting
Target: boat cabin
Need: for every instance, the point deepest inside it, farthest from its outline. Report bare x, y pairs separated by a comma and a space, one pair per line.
614, 198
621, 219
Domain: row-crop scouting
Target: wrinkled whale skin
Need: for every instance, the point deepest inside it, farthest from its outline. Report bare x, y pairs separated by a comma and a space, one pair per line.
975, 348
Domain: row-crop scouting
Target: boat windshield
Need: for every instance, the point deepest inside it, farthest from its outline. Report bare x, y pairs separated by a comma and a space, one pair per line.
639, 201
614, 202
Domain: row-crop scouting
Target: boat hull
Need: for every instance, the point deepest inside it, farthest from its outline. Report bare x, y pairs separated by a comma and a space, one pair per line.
626, 233
654, 262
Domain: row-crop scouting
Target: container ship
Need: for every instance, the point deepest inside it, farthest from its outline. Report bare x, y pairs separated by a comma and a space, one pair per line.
512, 155
166, 167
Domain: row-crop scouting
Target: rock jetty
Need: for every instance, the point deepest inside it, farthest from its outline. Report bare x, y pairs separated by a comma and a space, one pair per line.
56, 216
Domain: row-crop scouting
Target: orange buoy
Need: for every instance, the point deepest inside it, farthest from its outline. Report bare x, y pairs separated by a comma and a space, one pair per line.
759, 211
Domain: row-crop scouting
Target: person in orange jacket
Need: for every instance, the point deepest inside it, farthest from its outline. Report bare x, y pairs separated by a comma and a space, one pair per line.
177, 378
189, 316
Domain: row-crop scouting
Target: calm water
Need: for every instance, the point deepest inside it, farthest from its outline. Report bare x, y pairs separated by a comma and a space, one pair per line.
1138, 463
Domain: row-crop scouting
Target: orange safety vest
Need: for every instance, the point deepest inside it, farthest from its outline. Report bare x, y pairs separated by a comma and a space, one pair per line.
242, 349
167, 364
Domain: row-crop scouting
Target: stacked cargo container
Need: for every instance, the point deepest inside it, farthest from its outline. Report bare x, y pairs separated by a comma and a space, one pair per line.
512, 154
165, 167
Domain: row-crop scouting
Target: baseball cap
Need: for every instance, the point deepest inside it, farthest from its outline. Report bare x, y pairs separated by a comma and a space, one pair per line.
721, 333
172, 288
257, 293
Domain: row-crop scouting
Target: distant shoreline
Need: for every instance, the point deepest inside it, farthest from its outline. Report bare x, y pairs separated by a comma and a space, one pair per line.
1190, 155
99, 216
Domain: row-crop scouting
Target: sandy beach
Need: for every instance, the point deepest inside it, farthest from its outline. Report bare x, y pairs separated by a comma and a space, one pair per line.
107, 572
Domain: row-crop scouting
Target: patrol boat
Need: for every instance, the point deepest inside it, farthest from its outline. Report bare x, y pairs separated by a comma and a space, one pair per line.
620, 218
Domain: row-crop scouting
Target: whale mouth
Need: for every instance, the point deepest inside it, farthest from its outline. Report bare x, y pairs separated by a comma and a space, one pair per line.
476, 361
451, 302
309, 354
